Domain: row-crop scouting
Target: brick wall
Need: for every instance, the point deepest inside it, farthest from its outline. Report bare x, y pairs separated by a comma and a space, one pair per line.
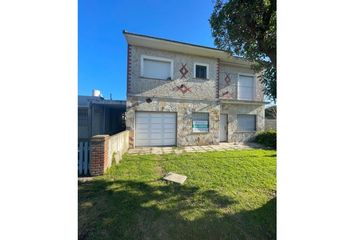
99, 155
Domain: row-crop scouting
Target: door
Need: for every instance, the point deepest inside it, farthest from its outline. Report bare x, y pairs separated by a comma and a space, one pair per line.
223, 127
155, 129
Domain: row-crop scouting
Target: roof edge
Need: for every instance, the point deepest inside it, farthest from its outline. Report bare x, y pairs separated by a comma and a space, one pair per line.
179, 42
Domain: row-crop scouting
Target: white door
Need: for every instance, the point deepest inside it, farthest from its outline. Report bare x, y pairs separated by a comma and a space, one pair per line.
223, 127
155, 129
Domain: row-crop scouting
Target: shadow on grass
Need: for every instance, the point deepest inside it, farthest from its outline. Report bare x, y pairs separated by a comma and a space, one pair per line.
139, 210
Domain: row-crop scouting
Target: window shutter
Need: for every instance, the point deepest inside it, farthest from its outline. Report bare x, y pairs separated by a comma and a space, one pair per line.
245, 87
246, 123
157, 69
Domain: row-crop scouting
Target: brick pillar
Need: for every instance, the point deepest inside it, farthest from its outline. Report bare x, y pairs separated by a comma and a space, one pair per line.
98, 155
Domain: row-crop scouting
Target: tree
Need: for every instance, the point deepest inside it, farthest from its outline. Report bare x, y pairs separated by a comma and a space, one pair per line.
247, 28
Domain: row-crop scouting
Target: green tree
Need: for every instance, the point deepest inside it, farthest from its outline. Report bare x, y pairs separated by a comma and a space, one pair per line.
247, 28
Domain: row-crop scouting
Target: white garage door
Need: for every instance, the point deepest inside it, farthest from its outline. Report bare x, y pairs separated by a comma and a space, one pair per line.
155, 129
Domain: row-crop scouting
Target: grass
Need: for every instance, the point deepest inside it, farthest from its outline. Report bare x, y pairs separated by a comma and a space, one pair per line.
227, 195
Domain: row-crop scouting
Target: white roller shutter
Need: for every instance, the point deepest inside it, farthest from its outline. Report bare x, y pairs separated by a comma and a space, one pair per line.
246, 123
155, 129
156, 69
245, 87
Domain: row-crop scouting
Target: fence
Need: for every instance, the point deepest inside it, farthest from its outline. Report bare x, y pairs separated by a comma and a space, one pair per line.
118, 144
270, 124
84, 158
98, 154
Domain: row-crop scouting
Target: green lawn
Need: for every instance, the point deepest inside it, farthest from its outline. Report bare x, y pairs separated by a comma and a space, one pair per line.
227, 195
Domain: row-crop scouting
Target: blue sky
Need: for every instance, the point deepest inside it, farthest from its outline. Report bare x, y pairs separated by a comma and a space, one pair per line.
103, 49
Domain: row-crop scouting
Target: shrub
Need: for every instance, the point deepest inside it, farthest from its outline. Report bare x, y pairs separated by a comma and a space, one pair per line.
268, 138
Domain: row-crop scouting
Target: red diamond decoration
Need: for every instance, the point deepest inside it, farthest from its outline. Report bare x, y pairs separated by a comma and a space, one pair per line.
184, 89
226, 94
183, 70
227, 78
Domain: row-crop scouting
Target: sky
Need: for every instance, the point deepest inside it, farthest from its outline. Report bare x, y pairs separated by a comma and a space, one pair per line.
103, 48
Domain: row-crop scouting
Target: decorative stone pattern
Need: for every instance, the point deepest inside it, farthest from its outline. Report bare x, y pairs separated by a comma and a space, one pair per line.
217, 77
183, 88
202, 88
129, 69
232, 110
184, 70
229, 78
184, 110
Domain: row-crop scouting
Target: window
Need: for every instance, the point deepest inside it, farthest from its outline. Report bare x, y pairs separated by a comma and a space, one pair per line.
158, 68
201, 70
200, 122
246, 123
245, 87
83, 118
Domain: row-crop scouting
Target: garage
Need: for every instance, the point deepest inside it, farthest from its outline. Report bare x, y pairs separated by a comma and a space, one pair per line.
155, 129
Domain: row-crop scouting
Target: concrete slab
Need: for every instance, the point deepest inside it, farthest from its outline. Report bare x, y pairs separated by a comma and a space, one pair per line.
174, 177
178, 152
190, 149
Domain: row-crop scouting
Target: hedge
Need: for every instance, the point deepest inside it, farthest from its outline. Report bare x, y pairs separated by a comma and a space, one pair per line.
268, 138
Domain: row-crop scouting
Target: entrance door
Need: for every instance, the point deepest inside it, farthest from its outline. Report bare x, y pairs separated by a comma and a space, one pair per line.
223, 127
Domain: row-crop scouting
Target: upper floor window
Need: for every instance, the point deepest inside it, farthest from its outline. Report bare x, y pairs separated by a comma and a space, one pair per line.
156, 67
201, 70
245, 87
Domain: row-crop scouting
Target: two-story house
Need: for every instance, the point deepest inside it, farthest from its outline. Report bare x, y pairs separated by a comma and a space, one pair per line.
181, 94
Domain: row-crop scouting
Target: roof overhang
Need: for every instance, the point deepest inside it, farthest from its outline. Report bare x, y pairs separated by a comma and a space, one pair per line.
241, 102
182, 47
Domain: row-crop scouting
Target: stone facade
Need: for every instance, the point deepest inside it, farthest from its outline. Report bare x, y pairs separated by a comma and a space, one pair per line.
197, 88
184, 94
234, 135
184, 110
229, 75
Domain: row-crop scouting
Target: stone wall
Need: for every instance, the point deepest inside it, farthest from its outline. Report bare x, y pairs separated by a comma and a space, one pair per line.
270, 124
232, 110
184, 110
186, 87
228, 81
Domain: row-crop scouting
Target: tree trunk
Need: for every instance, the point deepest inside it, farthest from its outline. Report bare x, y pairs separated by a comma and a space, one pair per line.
272, 54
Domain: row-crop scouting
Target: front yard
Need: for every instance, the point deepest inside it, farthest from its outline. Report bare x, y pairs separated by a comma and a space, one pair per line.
227, 195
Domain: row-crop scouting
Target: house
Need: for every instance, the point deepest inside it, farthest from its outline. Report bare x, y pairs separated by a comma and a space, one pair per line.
97, 115
181, 94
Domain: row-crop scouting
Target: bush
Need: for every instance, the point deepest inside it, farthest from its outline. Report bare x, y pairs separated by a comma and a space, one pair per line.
268, 138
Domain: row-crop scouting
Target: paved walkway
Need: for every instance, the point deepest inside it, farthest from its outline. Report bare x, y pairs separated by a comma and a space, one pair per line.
179, 150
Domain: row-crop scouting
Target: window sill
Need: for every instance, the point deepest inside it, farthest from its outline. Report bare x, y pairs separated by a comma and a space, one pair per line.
200, 132
246, 131
202, 79
160, 79
247, 100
